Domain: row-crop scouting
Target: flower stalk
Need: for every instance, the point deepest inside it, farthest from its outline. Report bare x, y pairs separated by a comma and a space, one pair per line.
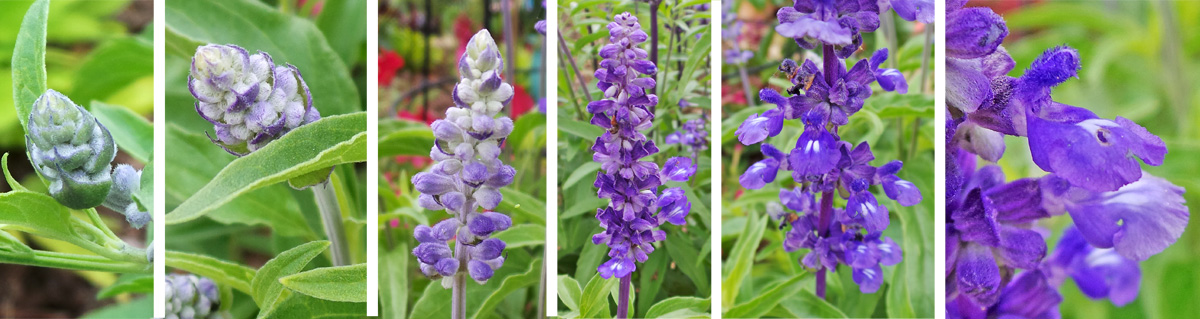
466, 179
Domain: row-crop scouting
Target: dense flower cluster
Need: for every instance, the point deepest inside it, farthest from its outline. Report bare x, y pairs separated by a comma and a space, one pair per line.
824, 166
74, 152
190, 296
249, 100
631, 185
996, 257
468, 173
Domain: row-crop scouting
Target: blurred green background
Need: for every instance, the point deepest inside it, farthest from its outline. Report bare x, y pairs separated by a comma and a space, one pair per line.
95, 51
1140, 61
897, 126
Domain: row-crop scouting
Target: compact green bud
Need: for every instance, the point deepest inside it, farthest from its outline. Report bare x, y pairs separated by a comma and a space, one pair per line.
71, 149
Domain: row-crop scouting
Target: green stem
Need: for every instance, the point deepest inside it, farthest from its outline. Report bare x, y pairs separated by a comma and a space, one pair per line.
331, 217
94, 240
94, 216
925, 74
51, 259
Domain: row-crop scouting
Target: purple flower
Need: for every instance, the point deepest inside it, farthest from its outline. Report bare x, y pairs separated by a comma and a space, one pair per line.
635, 207
829, 22
466, 179
693, 135
889, 79
823, 165
1121, 215
1098, 272
914, 10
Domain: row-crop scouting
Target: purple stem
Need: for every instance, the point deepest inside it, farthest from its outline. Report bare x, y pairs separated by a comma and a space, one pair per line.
823, 222
830, 64
623, 304
821, 283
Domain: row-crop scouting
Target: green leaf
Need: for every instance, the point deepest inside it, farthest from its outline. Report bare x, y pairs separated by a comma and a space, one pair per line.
766, 300
685, 313
128, 283
181, 45
520, 203
265, 285
223, 272
194, 160
37, 214
742, 257
593, 303
582, 130
394, 289
288, 39
688, 259
345, 283
805, 304
330, 141
112, 66
12, 246
413, 140
509, 286
669, 305
133, 133
12, 182
523, 236
343, 24
569, 292
590, 39
294, 305
29, 60
585, 170
434, 302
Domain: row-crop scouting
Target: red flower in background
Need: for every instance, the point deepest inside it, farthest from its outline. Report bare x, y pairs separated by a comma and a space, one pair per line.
463, 30
389, 63
521, 103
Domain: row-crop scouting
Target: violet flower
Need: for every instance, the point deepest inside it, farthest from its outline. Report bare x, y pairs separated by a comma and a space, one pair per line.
693, 136
822, 165
837, 23
632, 186
1121, 214
467, 175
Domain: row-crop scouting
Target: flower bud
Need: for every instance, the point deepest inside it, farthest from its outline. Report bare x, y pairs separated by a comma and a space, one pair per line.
71, 150
191, 296
249, 100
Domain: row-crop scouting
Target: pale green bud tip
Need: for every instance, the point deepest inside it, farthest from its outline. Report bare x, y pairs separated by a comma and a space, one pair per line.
71, 150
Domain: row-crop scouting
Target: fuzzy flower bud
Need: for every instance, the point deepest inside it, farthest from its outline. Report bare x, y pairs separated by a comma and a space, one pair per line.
191, 296
468, 173
249, 100
71, 150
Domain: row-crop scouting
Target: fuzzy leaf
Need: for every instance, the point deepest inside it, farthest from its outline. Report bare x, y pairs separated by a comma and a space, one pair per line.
29, 60
509, 286
345, 283
132, 132
593, 303
267, 291
332, 140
